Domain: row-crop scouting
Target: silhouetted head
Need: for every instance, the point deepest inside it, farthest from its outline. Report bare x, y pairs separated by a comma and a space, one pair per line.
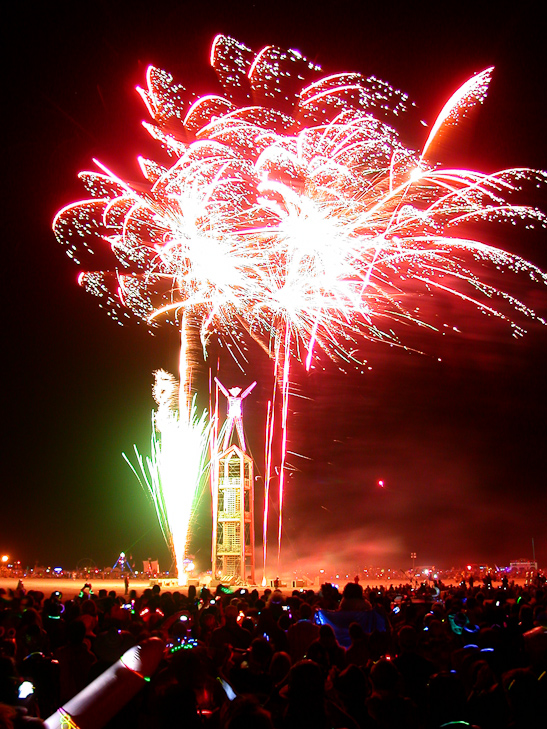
353, 591
280, 666
356, 632
408, 638
384, 675
306, 682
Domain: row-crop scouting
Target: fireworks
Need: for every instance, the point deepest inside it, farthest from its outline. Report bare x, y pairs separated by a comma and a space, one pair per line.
291, 209
321, 222
177, 464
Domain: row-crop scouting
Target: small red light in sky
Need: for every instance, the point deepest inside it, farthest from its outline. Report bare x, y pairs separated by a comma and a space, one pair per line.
381, 484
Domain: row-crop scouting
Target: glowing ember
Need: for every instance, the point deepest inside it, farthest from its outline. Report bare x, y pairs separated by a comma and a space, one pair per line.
291, 210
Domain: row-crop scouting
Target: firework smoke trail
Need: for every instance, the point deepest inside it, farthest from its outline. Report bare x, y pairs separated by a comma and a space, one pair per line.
178, 461
291, 205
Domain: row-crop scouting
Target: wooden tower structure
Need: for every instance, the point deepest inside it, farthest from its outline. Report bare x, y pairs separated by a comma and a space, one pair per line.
233, 552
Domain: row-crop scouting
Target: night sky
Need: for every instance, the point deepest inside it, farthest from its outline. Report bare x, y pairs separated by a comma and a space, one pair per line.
459, 443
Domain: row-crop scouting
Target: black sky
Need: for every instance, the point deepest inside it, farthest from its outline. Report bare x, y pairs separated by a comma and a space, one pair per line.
459, 443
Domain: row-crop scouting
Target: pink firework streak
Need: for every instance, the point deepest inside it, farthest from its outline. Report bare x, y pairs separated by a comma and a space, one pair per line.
288, 209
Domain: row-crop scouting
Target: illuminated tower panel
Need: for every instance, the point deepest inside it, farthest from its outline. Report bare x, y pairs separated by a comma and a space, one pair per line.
233, 540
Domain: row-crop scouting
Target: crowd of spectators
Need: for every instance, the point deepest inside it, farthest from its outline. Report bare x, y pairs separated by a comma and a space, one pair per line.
469, 656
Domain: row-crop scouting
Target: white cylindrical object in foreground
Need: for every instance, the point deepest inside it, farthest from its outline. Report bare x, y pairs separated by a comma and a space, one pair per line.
95, 705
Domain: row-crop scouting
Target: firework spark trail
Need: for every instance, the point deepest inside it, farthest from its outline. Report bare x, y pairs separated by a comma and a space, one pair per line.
270, 419
291, 209
284, 413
